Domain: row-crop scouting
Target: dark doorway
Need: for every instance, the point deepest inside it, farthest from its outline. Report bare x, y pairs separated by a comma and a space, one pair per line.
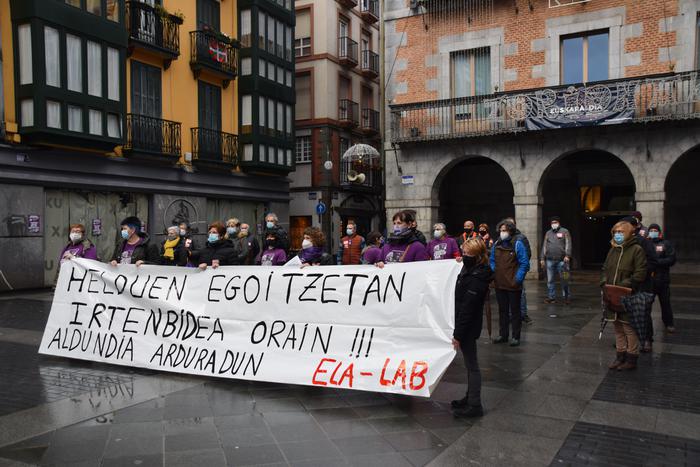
476, 189
590, 191
682, 205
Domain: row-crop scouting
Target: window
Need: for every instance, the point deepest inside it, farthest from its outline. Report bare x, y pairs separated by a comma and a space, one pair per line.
289, 157
145, 89
271, 116
262, 68
114, 127
75, 118
303, 149
270, 34
53, 114
246, 31
261, 112
52, 57
280, 118
94, 61
247, 152
208, 15
270, 154
471, 76
24, 39
288, 43
74, 63
246, 114
113, 74
303, 104
343, 32
279, 39
94, 7
585, 58
270, 71
261, 30
302, 47
95, 125
344, 145
280, 75
75, 3
288, 78
113, 10
209, 106
288, 120
246, 66
27, 112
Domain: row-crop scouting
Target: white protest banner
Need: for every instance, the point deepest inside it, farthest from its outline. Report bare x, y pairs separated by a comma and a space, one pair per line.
353, 327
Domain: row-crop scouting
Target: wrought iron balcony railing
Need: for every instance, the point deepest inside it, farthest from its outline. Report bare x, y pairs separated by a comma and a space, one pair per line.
154, 28
348, 113
213, 146
370, 64
369, 122
215, 52
643, 99
347, 51
369, 10
372, 174
149, 135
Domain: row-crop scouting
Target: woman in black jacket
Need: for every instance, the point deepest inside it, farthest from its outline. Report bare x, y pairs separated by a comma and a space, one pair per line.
218, 250
471, 289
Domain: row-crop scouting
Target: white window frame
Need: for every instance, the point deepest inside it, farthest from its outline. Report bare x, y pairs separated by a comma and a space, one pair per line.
303, 149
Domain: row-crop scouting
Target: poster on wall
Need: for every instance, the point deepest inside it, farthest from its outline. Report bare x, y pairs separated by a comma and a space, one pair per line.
34, 223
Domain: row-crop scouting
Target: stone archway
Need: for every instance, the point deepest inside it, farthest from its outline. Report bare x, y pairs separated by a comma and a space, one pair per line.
590, 190
682, 205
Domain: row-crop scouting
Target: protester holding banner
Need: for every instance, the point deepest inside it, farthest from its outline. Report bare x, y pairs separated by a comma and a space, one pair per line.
442, 246
218, 250
625, 266
273, 253
134, 247
173, 251
240, 245
78, 246
373, 251
404, 245
312, 253
472, 286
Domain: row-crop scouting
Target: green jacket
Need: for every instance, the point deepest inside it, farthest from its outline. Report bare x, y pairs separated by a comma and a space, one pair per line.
626, 266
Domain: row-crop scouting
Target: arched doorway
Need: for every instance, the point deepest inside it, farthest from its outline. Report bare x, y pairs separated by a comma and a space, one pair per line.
681, 209
477, 189
590, 190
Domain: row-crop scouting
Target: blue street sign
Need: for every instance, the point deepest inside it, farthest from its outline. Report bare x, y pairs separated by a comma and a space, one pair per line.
321, 208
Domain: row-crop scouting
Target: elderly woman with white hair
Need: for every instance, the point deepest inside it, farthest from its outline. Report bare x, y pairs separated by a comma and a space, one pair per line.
442, 246
172, 250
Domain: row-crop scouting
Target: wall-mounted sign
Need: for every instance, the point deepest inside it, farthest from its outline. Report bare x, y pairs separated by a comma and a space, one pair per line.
407, 180
34, 223
321, 208
313, 195
96, 227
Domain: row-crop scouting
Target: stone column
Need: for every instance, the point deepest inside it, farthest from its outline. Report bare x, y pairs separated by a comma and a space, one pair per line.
528, 216
651, 205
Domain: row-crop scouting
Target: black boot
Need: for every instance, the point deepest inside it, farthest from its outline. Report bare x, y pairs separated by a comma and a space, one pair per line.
459, 403
630, 363
471, 411
619, 360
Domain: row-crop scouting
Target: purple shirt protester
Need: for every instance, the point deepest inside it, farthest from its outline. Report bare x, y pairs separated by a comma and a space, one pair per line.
396, 253
273, 257
78, 250
372, 255
445, 248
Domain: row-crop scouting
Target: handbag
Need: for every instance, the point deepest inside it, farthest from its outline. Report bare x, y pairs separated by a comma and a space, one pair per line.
612, 297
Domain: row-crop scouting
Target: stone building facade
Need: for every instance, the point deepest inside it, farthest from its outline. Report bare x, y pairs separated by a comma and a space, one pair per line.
535, 142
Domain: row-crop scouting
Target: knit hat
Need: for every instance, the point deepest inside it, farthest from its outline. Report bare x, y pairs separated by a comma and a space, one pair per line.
638, 215
133, 222
655, 226
555, 219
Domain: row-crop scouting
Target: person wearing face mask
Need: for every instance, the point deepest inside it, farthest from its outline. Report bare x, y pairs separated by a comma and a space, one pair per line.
470, 293
556, 257
218, 251
625, 266
665, 258
78, 246
524, 317
312, 253
240, 244
442, 246
403, 245
252, 245
272, 253
187, 241
134, 246
467, 232
509, 262
351, 246
414, 226
173, 251
272, 222
372, 253
485, 235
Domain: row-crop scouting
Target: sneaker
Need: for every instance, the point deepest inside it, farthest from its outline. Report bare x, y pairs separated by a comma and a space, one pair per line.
514, 342
500, 340
459, 403
549, 300
469, 412
527, 319
670, 329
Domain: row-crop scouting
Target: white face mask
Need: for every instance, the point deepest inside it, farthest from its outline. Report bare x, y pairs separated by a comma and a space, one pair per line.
555, 226
437, 233
505, 235
75, 237
306, 244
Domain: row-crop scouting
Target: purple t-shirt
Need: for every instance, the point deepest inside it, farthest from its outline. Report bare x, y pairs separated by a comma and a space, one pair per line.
372, 255
79, 251
273, 257
393, 253
128, 252
445, 248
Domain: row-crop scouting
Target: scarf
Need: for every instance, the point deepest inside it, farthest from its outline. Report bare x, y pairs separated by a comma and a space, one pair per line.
311, 255
169, 248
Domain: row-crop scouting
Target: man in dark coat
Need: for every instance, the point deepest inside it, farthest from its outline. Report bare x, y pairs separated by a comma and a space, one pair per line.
665, 258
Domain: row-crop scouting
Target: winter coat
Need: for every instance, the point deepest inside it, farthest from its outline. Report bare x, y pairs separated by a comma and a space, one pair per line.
252, 248
521, 236
626, 266
83, 249
556, 245
470, 293
665, 258
145, 251
240, 247
180, 254
222, 250
650, 252
350, 250
510, 262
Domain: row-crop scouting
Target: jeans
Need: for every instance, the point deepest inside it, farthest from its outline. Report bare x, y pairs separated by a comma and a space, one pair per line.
508, 307
523, 303
468, 347
557, 268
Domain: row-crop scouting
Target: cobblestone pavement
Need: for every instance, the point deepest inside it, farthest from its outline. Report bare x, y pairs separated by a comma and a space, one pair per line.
551, 401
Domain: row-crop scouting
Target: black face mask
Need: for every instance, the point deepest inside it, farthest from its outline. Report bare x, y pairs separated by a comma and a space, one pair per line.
482, 232
469, 261
468, 231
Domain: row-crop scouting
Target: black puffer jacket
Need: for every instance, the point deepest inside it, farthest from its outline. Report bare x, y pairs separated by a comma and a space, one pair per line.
144, 251
665, 258
222, 250
180, 254
652, 262
470, 293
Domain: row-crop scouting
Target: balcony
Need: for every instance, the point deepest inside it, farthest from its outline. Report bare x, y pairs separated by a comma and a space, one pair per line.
154, 30
347, 52
369, 123
214, 149
213, 52
633, 100
348, 3
370, 64
369, 10
348, 114
152, 138
371, 181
